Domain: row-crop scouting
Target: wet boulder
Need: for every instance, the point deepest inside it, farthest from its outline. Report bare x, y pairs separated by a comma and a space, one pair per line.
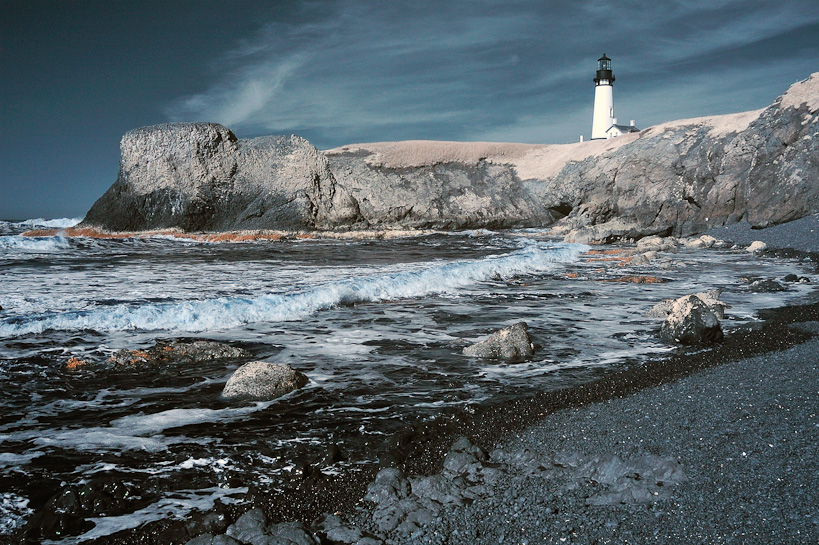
263, 380
691, 322
511, 344
796, 279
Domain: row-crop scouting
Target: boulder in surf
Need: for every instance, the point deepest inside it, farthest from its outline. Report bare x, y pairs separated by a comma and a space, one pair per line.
511, 344
691, 322
263, 380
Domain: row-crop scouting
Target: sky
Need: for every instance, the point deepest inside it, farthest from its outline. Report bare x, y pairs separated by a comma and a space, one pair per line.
75, 75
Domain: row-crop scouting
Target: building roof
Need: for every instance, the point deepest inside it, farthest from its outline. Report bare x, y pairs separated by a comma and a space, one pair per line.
624, 128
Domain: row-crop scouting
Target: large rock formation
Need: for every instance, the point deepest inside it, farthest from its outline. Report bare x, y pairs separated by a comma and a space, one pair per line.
200, 177
678, 178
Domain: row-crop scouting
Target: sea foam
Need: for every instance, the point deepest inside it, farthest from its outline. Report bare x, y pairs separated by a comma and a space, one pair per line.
228, 312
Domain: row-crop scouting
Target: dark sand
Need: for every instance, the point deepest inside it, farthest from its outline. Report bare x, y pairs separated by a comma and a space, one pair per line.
801, 234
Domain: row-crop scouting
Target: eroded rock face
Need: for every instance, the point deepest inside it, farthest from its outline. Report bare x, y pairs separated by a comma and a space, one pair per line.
263, 380
511, 344
690, 321
200, 177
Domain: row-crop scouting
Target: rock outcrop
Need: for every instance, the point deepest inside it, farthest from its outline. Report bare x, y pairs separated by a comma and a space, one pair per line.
679, 178
263, 380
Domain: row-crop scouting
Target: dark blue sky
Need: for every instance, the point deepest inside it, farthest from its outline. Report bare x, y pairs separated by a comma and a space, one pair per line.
76, 75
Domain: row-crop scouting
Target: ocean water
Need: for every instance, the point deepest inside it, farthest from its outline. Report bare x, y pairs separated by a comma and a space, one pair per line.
378, 326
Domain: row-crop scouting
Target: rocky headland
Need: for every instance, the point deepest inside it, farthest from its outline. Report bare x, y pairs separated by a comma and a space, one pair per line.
679, 178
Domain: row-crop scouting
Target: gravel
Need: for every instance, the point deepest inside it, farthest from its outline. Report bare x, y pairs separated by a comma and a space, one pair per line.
801, 234
744, 433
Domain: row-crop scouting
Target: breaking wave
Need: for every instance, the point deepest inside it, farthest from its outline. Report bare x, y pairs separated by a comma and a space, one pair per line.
59, 223
33, 244
227, 312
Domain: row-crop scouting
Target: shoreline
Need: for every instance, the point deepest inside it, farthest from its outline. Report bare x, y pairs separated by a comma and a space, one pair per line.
420, 449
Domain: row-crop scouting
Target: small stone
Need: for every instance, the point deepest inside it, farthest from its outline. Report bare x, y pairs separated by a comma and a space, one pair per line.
757, 247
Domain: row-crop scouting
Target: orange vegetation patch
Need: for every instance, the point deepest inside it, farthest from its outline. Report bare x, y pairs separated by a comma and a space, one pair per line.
637, 279
75, 363
617, 251
571, 275
137, 356
234, 237
305, 236
620, 259
215, 237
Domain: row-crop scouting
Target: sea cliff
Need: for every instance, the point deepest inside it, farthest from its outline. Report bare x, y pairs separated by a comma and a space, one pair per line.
679, 178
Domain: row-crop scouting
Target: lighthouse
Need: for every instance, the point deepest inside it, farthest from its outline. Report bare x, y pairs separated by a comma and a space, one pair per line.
604, 124
603, 99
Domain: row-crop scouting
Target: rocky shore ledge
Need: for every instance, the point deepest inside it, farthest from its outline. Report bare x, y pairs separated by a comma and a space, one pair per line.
679, 178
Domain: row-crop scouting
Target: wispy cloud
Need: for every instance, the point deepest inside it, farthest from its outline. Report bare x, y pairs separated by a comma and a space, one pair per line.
375, 70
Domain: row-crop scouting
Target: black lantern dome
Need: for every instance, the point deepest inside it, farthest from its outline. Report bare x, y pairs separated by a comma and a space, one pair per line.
604, 74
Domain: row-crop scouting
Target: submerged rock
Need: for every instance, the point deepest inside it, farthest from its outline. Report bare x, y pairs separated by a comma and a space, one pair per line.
796, 279
512, 344
691, 322
263, 380
178, 351
766, 286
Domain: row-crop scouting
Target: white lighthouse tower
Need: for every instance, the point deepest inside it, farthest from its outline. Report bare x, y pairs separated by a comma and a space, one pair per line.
603, 99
